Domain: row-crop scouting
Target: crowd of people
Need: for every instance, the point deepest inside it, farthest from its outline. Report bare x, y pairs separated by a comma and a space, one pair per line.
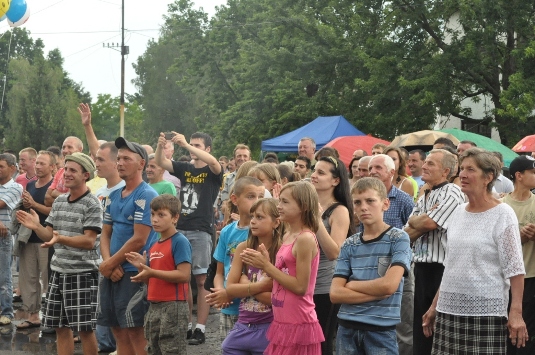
400, 252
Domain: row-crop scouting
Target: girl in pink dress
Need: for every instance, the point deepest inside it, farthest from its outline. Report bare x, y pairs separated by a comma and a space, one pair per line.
295, 329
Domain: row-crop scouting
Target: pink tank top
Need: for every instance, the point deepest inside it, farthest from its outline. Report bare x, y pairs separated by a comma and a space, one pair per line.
287, 306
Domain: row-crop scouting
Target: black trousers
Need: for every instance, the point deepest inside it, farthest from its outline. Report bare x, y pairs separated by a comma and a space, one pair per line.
328, 318
528, 313
427, 278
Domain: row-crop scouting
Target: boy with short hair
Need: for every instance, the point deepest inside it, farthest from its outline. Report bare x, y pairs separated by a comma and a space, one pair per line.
368, 277
168, 275
247, 190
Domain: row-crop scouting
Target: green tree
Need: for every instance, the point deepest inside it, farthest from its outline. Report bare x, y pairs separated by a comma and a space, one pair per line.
40, 111
105, 119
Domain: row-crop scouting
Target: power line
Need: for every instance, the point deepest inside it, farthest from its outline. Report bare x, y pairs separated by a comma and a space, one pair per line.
91, 32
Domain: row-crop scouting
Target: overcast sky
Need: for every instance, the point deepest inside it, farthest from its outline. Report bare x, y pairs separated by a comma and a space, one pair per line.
80, 27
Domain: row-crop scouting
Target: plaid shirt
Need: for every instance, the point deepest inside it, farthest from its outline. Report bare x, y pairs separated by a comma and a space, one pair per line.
400, 209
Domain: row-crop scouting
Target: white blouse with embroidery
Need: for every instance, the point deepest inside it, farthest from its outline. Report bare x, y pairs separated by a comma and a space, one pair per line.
483, 252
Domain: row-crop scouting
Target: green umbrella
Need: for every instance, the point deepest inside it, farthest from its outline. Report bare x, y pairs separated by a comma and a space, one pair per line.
483, 142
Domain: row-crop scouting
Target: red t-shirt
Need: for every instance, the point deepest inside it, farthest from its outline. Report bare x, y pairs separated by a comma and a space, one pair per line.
166, 255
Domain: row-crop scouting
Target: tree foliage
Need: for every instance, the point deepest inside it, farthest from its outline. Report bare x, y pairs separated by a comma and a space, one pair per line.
105, 119
260, 68
40, 99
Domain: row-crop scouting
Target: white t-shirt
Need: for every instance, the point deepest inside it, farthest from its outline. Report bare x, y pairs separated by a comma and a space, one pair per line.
482, 253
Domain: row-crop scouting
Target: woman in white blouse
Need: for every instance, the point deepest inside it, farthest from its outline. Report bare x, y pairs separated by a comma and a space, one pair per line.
483, 261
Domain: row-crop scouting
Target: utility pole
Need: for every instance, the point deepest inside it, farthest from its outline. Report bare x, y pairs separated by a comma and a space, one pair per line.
121, 109
125, 50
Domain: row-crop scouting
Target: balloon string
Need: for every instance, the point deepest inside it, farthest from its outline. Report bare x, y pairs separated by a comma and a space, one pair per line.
5, 72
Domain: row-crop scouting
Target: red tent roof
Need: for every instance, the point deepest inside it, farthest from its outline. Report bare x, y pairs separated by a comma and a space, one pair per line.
346, 145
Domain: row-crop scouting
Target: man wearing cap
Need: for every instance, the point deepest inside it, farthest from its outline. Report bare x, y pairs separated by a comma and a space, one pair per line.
200, 183
70, 145
71, 227
522, 201
127, 228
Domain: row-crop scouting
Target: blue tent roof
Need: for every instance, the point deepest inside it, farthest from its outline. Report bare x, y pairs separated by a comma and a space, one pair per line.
322, 130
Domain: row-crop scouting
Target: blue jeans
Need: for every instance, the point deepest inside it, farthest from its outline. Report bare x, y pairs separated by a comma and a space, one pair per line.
105, 338
362, 342
6, 287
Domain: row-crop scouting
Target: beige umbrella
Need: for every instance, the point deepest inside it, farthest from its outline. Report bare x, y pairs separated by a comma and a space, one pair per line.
421, 139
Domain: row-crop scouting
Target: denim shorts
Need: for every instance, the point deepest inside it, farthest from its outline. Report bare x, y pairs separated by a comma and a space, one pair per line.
122, 303
356, 342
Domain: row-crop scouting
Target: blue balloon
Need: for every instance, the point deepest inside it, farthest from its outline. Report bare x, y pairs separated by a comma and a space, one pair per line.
16, 11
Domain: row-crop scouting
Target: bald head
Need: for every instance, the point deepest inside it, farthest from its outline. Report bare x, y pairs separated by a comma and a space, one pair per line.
71, 145
148, 148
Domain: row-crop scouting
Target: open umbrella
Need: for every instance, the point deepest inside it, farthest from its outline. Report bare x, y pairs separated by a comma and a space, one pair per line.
526, 144
483, 142
421, 139
346, 145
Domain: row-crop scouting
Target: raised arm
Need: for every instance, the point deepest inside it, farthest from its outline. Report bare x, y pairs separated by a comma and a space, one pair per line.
159, 157
203, 155
85, 115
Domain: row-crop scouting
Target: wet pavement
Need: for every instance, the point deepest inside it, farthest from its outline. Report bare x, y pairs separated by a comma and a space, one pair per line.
33, 341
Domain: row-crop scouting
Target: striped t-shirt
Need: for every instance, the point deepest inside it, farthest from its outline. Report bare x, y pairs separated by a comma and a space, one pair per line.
439, 204
72, 218
366, 260
10, 193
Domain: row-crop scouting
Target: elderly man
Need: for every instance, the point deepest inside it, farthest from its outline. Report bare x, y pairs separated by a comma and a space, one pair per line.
427, 227
382, 167
363, 170
307, 148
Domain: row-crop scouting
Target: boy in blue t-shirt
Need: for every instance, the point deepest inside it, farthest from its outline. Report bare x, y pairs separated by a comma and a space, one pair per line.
247, 190
368, 277
168, 275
